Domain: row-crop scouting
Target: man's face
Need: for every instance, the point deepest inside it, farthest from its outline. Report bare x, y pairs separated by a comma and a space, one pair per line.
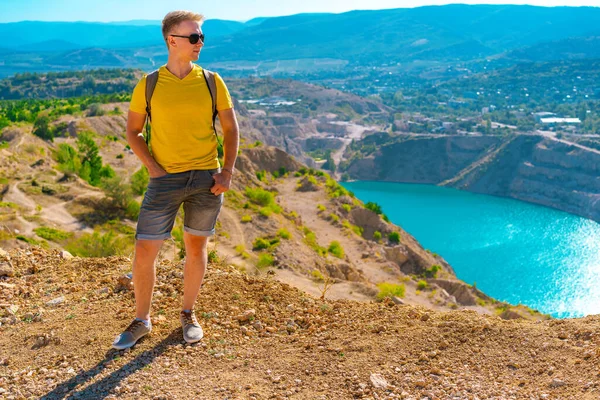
181, 46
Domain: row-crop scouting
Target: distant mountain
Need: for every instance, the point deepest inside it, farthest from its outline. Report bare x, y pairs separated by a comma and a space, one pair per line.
61, 36
434, 32
451, 33
566, 49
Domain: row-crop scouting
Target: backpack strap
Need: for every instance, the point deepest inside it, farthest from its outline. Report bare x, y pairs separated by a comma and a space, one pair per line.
151, 80
211, 83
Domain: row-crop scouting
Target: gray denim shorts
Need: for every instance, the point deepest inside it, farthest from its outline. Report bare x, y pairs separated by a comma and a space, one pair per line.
166, 194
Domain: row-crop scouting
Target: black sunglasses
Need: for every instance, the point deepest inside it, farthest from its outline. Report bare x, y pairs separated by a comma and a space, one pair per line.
193, 38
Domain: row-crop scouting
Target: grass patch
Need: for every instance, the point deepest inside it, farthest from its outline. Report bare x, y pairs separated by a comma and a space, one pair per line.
284, 234
265, 260
387, 289
55, 235
311, 240
317, 275
335, 248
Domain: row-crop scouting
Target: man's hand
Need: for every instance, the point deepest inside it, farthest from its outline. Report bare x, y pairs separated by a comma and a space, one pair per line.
222, 182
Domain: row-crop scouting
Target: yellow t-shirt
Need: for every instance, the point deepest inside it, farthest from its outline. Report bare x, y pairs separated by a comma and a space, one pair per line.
182, 135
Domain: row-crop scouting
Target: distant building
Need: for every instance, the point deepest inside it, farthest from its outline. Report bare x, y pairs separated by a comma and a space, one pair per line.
543, 114
555, 121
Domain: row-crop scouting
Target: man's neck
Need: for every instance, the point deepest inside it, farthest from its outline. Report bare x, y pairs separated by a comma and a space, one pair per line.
179, 68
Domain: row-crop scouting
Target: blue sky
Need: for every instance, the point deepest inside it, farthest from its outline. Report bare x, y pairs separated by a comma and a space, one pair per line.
240, 10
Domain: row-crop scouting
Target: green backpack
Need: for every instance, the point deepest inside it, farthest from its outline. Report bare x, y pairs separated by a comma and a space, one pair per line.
151, 80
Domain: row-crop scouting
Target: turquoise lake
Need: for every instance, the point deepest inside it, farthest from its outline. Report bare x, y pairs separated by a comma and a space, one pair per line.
514, 251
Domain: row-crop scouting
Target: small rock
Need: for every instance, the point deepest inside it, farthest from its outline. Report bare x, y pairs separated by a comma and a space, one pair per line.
247, 315
556, 383
56, 301
6, 269
397, 300
66, 255
378, 381
425, 317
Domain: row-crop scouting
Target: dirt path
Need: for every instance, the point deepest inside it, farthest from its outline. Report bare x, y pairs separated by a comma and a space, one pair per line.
355, 132
14, 195
58, 214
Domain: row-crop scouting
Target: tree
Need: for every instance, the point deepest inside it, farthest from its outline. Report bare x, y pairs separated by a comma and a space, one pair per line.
42, 129
90, 159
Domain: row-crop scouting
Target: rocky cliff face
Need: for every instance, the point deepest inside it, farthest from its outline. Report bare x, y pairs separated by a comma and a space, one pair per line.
537, 169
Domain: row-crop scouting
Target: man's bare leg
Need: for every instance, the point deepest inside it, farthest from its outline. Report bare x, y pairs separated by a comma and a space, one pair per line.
144, 275
196, 258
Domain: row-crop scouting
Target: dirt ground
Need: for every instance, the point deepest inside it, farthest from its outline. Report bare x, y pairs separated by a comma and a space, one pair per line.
267, 340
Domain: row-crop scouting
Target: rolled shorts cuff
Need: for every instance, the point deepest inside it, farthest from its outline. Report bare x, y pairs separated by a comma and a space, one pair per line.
164, 236
196, 232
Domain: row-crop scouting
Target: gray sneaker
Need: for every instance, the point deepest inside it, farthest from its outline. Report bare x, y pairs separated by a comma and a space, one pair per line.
134, 332
192, 331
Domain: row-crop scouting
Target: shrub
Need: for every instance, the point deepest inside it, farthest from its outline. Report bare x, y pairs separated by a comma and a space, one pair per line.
376, 208
241, 250
260, 196
394, 237
98, 245
284, 234
347, 207
246, 218
133, 210
55, 235
260, 175
321, 207
260, 244
387, 289
432, 271
139, 181
335, 248
422, 285
265, 260
377, 235
317, 275
334, 218
265, 212
311, 240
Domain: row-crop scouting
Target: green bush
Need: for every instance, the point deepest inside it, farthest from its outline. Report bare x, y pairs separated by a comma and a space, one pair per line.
317, 275
334, 218
321, 207
139, 181
432, 271
347, 207
335, 248
390, 290
311, 240
260, 175
422, 285
260, 244
376, 208
284, 234
246, 218
260, 196
55, 235
377, 235
99, 245
394, 237
265, 260
265, 212
133, 210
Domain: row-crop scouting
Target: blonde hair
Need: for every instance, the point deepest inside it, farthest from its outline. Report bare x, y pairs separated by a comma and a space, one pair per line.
174, 18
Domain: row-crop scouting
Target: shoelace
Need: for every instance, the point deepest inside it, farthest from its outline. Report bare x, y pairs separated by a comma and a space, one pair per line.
133, 325
190, 318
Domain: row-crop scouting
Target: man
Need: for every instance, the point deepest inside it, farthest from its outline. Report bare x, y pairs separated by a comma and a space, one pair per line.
183, 168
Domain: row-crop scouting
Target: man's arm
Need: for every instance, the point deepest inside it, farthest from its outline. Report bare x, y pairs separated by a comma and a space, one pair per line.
231, 144
135, 125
